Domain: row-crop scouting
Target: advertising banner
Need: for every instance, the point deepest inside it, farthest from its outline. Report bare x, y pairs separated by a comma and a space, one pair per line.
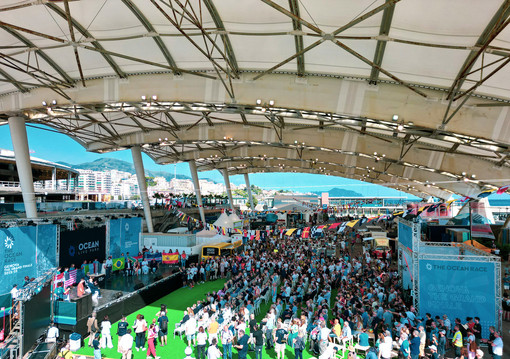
405, 235
406, 266
26, 251
124, 236
459, 289
82, 244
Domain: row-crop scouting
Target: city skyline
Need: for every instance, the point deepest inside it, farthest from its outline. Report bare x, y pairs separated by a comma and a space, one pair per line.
41, 140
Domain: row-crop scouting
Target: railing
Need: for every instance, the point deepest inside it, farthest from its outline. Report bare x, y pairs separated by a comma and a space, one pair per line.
38, 187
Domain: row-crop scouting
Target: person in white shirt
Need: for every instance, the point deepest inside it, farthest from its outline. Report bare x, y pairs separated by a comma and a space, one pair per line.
385, 348
52, 335
126, 345
497, 346
324, 337
14, 292
188, 351
190, 329
106, 337
346, 333
201, 343
213, 352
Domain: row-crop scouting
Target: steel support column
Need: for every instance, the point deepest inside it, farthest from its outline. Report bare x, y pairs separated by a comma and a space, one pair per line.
142, 185
54, 178
196, 184
68, 182
23, 166
229, 190
248, 189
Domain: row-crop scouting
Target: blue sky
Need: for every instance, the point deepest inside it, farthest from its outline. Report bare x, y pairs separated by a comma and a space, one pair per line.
56, 147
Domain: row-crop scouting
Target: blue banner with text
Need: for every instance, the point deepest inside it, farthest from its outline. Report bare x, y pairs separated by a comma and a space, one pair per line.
459, 289
405, 235
125, 236
26, 251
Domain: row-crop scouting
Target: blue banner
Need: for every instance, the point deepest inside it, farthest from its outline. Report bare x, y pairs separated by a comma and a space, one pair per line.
26, 251
125, 236
459, 289
405, 235
407, 270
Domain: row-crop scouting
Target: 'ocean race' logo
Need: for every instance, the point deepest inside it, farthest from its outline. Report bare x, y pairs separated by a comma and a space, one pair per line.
9, 242
126, 227
429, 266
72, 251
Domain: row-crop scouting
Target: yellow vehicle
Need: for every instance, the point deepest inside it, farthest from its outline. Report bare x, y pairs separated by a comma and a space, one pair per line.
235, 248
215, 250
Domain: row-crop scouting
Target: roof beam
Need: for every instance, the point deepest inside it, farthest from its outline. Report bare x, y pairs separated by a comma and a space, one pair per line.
39, 52
13, 81
226, 40
384, 30
157, 39
73, 39
298, 38
495, 26
87, 34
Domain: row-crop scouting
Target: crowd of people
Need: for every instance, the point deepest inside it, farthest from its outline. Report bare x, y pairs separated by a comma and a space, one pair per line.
368, 315
349, 302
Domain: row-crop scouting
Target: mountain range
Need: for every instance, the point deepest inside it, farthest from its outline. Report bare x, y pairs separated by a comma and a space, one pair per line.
340, 192
106, 164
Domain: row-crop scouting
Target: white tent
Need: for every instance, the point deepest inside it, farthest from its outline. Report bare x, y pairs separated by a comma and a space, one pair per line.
209, 237
205, 233
223, 221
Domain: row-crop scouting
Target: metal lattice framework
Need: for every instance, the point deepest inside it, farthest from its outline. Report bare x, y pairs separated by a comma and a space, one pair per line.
393, 92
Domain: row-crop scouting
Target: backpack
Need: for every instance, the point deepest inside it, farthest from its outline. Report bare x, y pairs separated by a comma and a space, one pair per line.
300, 343
164, 325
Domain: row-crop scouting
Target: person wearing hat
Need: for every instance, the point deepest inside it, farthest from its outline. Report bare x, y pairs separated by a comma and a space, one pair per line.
188, 351
433, 352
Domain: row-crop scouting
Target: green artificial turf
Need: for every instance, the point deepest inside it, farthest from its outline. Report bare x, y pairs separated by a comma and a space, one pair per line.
176, 303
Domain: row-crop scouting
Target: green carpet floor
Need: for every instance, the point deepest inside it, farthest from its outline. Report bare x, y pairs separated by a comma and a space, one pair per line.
176, 303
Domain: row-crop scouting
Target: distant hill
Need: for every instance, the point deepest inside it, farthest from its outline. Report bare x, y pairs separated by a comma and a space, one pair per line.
340, 192
105, 164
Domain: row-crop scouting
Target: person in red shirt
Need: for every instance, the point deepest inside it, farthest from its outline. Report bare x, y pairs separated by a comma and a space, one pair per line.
80, 289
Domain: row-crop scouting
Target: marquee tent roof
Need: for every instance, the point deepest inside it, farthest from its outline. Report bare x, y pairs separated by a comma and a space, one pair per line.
412, 94
223, 221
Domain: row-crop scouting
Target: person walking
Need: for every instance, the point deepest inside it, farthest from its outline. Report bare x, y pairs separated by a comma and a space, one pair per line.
258, 338
140, 327
106, 336
242, 345
213, 352
226, 341
280, 338
299, 345
153, 334
457, 341
126, 344
163, 327
92, 328
201, 342
96, 346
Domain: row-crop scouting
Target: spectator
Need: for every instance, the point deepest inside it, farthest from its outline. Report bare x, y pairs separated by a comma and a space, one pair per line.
126, 344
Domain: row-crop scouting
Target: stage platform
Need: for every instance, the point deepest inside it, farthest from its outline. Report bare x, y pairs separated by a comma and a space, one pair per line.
122, 295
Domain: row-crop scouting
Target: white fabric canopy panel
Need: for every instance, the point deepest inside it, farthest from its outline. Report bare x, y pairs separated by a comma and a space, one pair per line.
344, 68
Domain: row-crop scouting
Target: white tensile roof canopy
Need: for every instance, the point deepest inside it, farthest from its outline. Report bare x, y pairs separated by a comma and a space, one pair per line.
412, 94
